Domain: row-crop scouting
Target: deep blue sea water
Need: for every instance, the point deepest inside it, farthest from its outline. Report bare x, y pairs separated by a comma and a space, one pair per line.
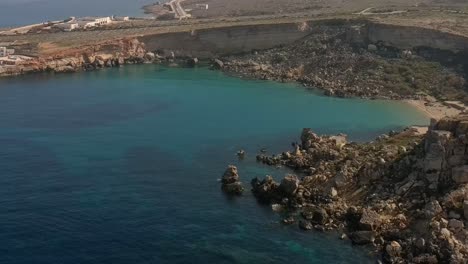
122, 166
22, 12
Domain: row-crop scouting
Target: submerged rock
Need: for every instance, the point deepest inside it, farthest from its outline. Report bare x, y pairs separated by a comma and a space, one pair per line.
305, 225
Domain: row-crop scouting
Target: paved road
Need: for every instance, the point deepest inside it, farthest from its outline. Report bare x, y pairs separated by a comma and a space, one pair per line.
178, 9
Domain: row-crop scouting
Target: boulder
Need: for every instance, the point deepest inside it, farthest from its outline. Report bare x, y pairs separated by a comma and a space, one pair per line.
305, 225
406, 54
288, 220
316, 215
420, 243
308, 137
266, 190
289, 184
230, 175
120, 61
340, 180
370, 220
340, 140
230, 181
455, 225
192, 62
432, 209
99, 63
150, 56
218, 64
233, 188
362, 237
372, 47
393, 249
460, 174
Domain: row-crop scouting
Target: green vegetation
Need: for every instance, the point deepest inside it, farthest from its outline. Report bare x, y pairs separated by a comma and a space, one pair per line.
422, 77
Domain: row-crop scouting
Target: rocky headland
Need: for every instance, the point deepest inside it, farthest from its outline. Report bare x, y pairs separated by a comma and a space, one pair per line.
405, 194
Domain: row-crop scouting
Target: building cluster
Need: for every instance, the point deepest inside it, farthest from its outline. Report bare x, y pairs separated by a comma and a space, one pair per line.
88, 22
9, 58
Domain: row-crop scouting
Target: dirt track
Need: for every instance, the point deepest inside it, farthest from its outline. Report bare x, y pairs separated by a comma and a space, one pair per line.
230, 8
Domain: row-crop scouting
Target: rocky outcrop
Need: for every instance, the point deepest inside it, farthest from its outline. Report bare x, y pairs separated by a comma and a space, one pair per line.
266, 190
404, 193
446, 152
230, 182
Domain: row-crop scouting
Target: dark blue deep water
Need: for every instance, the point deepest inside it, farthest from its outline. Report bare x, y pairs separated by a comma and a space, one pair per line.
121, 166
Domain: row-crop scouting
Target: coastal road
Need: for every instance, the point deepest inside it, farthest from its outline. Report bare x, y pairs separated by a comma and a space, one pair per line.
178, 9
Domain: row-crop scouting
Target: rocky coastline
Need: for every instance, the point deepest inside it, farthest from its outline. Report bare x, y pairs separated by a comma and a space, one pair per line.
405, 194
339, 62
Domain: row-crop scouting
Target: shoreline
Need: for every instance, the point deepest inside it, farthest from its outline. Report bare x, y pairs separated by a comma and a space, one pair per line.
432, 109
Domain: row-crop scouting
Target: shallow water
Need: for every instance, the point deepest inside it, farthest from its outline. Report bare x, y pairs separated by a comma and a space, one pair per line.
23, 12
121, 166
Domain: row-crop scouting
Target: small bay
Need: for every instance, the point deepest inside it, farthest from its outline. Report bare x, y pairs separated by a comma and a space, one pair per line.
122, 165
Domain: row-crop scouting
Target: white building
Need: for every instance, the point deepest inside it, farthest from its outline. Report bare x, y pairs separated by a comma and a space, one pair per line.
202, 6
88, 22
4, 52
68, 26
120, 18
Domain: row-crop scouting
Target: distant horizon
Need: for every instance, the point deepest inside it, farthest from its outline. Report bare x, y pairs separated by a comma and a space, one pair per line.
24, 12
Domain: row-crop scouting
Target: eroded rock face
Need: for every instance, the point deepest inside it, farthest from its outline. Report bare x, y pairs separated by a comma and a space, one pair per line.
465, 208
230, 182
446, 154
460, 174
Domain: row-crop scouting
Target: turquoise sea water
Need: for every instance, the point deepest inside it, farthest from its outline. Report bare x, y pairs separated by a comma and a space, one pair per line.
121, 166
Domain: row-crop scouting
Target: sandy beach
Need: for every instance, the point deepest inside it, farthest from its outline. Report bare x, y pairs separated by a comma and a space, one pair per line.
433, 109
